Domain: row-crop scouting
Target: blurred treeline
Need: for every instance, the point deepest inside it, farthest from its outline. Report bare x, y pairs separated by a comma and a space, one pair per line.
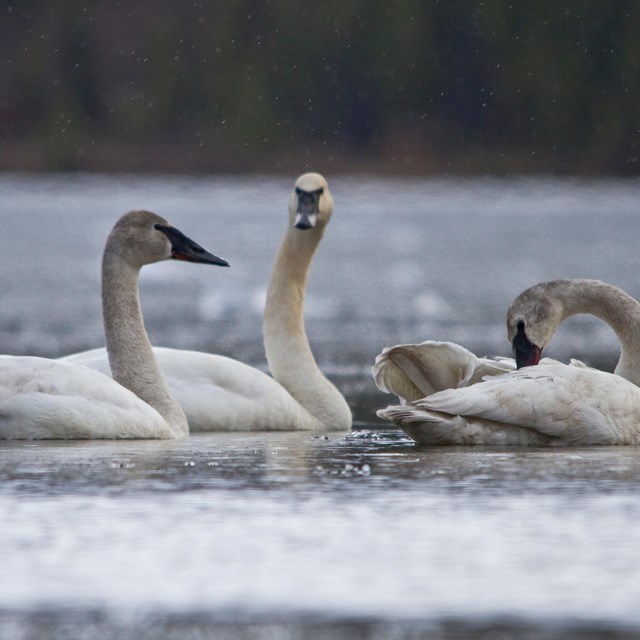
413, 86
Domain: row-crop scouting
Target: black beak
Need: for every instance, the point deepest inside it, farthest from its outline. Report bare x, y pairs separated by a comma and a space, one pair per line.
525, 352
184, 248
308, 208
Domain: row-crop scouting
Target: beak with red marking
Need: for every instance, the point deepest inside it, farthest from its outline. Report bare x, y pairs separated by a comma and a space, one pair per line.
184, 248
525, 352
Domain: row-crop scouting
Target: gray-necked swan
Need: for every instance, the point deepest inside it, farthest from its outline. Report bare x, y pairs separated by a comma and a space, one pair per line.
550, 405
221, 394
50, 399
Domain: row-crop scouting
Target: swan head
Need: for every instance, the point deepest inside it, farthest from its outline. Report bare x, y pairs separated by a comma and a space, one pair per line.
142, 237
310, 203
532, 319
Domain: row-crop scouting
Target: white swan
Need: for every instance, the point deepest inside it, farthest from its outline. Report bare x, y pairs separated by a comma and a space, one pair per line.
413, 371
49, 399
222, 394
550, 405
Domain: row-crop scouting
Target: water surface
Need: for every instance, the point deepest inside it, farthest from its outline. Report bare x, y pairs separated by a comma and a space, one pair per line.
361, 526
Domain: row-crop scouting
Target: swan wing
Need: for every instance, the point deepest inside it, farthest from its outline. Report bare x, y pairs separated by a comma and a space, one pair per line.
556, 404
49, 399
413, 371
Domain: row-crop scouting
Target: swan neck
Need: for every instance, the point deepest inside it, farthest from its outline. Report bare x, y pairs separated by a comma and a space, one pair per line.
131, 357
284, 311
615, 307
287, 348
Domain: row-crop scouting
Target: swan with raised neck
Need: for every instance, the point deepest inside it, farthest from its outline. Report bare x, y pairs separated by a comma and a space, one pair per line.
287, 348
42, 398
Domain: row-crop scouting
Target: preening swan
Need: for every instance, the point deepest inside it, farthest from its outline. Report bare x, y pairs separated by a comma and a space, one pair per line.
413, 371
222, 394
50, 399
548, 405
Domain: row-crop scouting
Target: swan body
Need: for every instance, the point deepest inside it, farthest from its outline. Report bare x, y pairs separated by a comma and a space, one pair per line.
550, 405
46, 399
553, 405
221, 394
206, 383
51, 399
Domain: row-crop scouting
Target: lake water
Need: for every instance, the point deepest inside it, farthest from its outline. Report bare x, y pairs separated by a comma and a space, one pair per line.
357, 535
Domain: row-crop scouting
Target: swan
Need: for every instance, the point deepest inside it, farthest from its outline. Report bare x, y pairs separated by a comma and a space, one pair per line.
549, 405
413, 371
221, 394
49, 399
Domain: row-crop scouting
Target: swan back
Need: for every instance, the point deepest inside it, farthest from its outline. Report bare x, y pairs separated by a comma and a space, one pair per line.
413, 371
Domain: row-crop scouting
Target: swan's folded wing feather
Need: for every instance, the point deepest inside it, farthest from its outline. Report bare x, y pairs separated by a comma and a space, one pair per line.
490, 367
577, 405
413, 371
244, 397
433, 428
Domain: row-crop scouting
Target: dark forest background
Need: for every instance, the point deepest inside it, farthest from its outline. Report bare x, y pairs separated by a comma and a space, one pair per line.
405, 86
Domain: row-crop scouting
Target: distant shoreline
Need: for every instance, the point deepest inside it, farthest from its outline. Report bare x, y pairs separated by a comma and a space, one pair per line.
174, 156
